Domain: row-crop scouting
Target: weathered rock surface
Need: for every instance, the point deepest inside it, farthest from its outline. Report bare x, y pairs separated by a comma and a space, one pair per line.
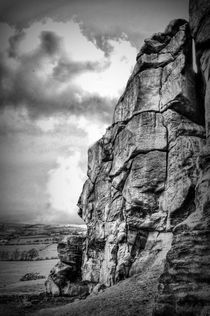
200, 27
163, 77
184, 287
65, 277
143, 173
70, 252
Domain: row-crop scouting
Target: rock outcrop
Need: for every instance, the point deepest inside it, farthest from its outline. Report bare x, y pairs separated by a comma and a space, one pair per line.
65, 276
200, 27
142, 174
184, 287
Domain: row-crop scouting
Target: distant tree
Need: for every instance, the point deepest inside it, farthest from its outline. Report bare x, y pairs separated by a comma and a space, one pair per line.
4, 255
23, 256
16, 255
32, 253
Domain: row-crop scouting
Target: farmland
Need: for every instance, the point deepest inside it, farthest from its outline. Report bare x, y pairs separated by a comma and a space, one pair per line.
38, 251
29, 249
12, 271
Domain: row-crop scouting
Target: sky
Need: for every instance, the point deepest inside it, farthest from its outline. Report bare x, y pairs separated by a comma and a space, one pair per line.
63, 66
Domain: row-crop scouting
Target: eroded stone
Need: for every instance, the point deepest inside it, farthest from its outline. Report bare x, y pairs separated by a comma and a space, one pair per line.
143, 133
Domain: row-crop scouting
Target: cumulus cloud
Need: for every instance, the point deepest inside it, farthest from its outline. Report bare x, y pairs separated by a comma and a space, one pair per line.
57, 93
14, 43
38, 159
50, 43
56, 76
65, 184
42, 80
64, 70
100, 17
102, 38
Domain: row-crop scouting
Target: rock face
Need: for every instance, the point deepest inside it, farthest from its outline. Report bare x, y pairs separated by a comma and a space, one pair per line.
184, 287
143, 175
65, 277
200, 26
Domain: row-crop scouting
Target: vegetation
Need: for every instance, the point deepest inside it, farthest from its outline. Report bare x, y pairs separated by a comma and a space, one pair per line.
32, 276
18, 255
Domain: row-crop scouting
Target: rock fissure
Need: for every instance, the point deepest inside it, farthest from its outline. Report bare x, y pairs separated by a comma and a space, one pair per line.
133, 115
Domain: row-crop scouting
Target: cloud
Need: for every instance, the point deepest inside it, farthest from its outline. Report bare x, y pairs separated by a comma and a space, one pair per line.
65, 184
100, 17
25, 12
101, 40
50, 43
14, 42
102, 37
64, 70
62, 74
112, 81
38, 159
42, 80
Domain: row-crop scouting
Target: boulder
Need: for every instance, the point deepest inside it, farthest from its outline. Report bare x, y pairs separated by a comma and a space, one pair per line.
65, 276
70, 252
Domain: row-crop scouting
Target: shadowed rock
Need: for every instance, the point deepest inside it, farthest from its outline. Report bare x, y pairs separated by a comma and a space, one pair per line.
65, 277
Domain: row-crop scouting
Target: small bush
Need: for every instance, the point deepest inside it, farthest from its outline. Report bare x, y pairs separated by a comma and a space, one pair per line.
32, 276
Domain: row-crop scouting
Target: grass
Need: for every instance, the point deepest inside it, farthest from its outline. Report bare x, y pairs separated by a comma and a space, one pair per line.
45, 251
12, 271
131, 297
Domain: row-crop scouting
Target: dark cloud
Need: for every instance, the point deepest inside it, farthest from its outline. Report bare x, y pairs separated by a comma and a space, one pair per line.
50, 42
24, 12
100, 40
65, 69
27, 90
23, 86
14, 42
102, 19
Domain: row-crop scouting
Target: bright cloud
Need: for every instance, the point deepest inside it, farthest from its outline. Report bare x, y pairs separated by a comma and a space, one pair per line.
94, 129
52, 67
112, 80
76, 45
58, 92
47, 124
65, 183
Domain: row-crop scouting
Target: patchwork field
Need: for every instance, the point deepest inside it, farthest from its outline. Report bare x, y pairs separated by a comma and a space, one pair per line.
31, 249
28, 252
12, 271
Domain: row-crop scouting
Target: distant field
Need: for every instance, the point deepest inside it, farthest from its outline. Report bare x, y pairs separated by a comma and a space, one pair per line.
27, 240
45, 251
48, 251
12, 271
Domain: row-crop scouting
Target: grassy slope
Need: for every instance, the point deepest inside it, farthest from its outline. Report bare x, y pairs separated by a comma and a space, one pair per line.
12, 271
134, 296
